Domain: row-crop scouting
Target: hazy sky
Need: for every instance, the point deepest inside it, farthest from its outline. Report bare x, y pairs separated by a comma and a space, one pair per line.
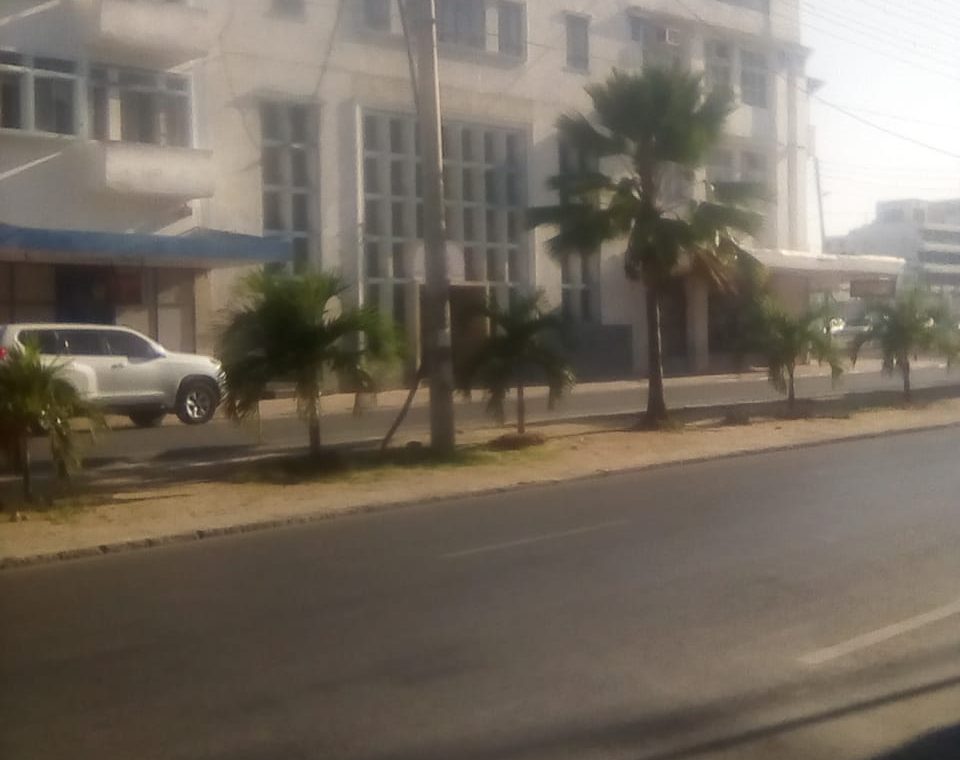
896, 64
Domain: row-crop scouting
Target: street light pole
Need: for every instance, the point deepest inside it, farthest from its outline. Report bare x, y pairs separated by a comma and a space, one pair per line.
436, 306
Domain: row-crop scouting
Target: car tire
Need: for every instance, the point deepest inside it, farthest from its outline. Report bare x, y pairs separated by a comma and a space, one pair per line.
197, 402
147, 418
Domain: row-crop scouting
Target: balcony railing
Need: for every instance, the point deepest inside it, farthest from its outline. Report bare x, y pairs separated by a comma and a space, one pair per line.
150, 170
149, 33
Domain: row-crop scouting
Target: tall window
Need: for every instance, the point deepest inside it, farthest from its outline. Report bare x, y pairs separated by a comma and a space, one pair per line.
484, 173
462, 22
753, 79
511, 23
578, 42
51, 83
719, 66
579, 271
578, 287
154, 108
290, 178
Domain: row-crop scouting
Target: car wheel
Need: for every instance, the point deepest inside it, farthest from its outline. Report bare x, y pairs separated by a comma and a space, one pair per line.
147, 418
197, 402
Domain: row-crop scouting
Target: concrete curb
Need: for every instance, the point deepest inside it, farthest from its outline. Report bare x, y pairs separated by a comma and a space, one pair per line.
12, 563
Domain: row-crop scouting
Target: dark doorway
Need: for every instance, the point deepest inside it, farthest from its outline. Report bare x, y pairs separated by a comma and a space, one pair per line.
84, 295
467, 323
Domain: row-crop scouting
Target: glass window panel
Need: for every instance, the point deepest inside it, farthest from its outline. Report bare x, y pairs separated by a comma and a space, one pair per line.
399, 261
373, 218
300, 207
400, 304
270, 121
299, 124
372, 261
398, 220
273, 212
398, 182
177, 118
396, 136
469, 224
300, 167
371, 175
371, 133
511, 23
10, 88
272, 165
54, 105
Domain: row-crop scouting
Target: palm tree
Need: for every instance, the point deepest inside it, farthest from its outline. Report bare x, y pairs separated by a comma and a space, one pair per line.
518, 348
914, 323
295, 327
787, 340
35, 397
649, 129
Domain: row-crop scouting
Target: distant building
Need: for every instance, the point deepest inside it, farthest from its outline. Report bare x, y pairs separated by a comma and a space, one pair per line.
292, 122
924, 233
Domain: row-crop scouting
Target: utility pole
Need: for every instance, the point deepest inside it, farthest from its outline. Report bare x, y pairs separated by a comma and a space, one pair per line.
438, 355
823, 224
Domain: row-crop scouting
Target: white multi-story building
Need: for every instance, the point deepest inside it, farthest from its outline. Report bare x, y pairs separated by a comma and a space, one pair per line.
294, 120
926, 234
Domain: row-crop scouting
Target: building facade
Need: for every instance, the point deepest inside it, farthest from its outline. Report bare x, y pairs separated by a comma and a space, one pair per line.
926, 234
294, 120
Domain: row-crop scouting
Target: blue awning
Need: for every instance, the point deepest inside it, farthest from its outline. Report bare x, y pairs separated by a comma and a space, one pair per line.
202, 248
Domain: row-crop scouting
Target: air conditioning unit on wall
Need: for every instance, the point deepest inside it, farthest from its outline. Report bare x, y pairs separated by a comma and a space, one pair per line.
670, 37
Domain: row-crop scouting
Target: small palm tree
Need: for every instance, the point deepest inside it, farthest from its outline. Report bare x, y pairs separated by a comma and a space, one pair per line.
35, 397
523, 343
650, 129
914, 323
295, 327
787, 340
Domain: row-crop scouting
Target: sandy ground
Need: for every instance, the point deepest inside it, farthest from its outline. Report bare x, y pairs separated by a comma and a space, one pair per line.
181, 501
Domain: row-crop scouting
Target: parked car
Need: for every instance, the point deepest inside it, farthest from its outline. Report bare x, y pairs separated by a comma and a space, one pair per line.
125, 372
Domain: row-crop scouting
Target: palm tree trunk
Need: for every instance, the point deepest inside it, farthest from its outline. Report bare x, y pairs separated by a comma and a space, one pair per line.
905, 370
791, 391
656, 400
521, 410
414, 387
313, 422
26, 470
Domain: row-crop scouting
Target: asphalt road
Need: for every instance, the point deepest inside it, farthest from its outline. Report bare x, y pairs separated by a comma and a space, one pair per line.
222, 437
799, 605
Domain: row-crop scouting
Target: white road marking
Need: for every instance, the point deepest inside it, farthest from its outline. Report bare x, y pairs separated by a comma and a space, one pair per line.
881, 635
535, 539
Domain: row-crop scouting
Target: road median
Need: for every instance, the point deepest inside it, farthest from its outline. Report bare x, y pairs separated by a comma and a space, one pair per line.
144, 507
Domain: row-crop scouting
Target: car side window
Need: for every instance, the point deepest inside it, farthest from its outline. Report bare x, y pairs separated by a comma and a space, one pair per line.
83, 343
44, 340
129, 345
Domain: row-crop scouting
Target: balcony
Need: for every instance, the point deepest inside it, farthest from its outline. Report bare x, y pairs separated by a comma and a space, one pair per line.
146, 33
135, 169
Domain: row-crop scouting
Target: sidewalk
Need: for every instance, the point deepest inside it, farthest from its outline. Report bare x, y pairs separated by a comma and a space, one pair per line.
394, 399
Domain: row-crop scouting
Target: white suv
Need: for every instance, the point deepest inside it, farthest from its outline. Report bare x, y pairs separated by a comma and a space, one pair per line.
125, 372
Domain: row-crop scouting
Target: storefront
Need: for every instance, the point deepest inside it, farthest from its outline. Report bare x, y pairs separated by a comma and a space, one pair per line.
155, 284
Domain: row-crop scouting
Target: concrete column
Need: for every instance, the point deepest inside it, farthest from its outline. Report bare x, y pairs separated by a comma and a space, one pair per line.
698, 324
